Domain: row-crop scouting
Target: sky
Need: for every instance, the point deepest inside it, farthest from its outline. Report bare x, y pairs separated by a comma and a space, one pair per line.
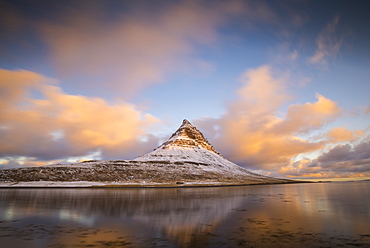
278, 87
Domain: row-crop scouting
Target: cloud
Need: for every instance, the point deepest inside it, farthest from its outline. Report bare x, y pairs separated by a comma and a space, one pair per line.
41, 121
338, 153
261, 93
347, 152
367, 110
16, 85
137, 49
339, 134
255, 134
18, 162
303, 118
328, 44
126, 47
343, 160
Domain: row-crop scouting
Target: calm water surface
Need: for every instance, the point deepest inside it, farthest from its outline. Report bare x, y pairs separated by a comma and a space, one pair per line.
295, 215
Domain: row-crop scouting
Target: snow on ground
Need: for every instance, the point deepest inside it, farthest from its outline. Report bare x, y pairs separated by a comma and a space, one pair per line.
47, 184
88, 184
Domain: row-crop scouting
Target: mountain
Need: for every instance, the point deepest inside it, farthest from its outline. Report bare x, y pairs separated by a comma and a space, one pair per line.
188, 146
185, 159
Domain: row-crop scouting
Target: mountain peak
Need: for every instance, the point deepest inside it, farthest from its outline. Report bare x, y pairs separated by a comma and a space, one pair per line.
185, 122
187, 136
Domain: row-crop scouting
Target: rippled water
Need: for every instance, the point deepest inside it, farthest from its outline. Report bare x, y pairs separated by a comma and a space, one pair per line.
294, 215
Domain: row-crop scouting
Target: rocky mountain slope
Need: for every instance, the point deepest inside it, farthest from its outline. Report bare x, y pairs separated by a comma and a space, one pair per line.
185, 159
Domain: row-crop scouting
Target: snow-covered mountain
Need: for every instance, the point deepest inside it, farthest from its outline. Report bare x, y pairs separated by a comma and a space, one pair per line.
188, 145
185, 159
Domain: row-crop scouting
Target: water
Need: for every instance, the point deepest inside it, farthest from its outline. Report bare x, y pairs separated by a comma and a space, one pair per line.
294, 215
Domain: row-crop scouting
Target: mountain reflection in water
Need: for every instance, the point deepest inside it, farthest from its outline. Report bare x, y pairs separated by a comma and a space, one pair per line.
304, 215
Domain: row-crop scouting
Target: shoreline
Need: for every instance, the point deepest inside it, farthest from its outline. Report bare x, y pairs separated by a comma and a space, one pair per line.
102, 185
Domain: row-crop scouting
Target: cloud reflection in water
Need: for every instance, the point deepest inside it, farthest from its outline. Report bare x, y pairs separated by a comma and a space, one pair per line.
306, 214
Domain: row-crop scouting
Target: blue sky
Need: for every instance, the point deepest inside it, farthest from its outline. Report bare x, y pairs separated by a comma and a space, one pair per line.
279, 87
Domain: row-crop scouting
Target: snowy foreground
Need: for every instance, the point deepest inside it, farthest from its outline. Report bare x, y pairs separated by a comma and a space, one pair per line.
185, 159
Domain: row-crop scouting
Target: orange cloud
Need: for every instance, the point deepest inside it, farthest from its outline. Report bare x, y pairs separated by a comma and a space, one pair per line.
257, 135
339, 134
261, 92
302, 118
252, 134
59, 125
15, 85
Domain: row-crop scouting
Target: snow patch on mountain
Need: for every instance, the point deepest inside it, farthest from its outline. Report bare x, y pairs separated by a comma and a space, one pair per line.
188, 144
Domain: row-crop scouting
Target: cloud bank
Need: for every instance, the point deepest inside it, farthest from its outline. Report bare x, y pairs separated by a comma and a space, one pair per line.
40, 121
343, 160
254, 134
